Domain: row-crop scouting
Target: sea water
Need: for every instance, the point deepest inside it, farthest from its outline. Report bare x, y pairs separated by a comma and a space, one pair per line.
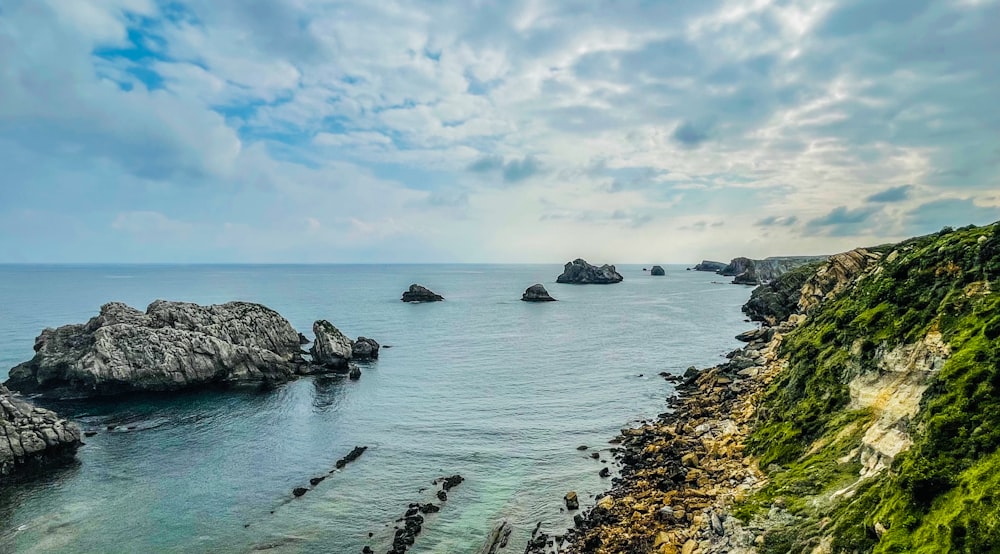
482, 384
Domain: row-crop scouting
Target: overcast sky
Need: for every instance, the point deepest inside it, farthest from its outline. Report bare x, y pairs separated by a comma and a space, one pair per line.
508, 131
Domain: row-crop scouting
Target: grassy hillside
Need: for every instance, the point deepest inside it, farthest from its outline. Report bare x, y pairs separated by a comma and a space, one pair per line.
941, 494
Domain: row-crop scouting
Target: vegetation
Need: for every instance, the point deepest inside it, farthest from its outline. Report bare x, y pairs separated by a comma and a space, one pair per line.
938, 496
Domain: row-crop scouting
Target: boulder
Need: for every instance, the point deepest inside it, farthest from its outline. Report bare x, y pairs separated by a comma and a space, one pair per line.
572, 502
355, 372
365, 349
657, 271
170, 346
536, 293
419, 293
331, 349
582, 273
33, 438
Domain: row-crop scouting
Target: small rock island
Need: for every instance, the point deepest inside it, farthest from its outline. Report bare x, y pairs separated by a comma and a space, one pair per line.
657, 271
580, 272
536, 293
420, 293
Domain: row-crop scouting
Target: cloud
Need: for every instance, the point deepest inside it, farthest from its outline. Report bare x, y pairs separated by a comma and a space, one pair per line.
842, 221
688, 135
949, 212
894, 194
777, 221
512, 170
238, 121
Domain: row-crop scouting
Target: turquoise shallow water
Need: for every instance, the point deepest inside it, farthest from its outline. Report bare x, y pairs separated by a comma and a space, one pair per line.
484, 385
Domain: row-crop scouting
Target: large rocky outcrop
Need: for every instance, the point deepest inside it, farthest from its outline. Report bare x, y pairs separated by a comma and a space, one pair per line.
536, 293
173, 345
32, 438
419, 293
581, 273
745, 271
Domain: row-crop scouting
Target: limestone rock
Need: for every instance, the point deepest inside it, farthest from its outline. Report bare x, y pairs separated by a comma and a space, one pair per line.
536, 293
419, 293
582, 273
331, 349
173, 345
32, 438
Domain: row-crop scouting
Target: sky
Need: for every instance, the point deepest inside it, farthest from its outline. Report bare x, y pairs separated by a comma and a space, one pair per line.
318, 131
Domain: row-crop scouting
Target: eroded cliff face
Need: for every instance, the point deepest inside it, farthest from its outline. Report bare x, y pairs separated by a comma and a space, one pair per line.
881, 434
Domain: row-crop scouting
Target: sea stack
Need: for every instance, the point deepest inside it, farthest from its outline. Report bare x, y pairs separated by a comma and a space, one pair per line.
536, 293
657, 271
419, 293
579, 272
331, 349
170, 346
35, 438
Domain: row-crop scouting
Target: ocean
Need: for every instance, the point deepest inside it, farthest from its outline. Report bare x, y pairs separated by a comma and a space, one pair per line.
497, 390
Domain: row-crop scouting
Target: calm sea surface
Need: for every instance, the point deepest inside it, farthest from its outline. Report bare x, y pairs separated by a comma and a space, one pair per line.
498, 390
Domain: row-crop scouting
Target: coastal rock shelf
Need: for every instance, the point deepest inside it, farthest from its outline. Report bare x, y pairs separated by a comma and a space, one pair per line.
579, 272
32, 438
173, 346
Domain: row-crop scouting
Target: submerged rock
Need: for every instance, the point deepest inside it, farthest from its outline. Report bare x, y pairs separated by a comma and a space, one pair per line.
331, 349
172, 346
33, 438
536, 293
419, 293
496, 541
657, 271
582, 273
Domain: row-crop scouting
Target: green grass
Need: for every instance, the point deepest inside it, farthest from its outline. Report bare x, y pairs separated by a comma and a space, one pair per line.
938, 496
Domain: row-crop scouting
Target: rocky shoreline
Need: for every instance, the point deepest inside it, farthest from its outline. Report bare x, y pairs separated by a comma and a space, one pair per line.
682, 473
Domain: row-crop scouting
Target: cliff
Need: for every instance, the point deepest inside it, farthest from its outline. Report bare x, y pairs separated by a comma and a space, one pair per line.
745, 271
881, 434
865, 417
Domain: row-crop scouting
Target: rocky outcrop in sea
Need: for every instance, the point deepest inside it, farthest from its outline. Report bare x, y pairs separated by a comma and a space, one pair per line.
657, 271
420, 293
170, 346
580, 272
536, 293
331, 349
32, 438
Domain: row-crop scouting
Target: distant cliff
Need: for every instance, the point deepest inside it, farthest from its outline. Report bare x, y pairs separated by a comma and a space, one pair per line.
755, 272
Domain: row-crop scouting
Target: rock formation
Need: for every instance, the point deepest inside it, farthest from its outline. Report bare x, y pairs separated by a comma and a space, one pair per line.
173, 345
419, 293
32, 438
708, 265
657, 271
365, 349
581, 273
536, 293
755, 272
331, 349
